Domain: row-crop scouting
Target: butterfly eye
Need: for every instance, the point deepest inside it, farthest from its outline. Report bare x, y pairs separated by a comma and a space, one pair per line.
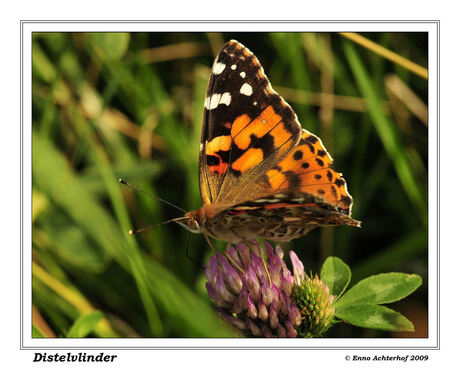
194, 225
190, 224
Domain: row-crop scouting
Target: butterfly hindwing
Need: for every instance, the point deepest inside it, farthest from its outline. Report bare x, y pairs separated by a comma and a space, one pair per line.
307, 169
280, 217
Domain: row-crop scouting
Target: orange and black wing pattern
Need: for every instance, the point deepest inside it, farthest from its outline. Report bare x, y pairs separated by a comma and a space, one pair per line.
261, 174
247, 128
301, 192
307, 170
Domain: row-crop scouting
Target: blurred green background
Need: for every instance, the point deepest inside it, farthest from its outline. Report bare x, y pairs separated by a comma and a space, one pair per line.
116, 105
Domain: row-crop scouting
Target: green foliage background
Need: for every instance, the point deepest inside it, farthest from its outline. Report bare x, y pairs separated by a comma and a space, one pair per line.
116, 105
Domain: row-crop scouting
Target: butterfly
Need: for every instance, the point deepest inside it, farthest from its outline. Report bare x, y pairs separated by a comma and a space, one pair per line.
261, 175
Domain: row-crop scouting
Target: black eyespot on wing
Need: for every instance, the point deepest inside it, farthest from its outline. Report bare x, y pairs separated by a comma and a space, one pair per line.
298, 155
334, 192
346, 200
311, 139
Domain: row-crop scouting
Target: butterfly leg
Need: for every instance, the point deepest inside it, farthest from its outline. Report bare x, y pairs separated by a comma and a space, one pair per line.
209, 242
234, 263
189, 256
262, 252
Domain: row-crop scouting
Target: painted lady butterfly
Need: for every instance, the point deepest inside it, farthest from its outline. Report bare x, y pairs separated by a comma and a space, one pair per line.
261, 174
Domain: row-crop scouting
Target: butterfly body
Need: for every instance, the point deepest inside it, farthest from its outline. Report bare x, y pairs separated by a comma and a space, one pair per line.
261, 174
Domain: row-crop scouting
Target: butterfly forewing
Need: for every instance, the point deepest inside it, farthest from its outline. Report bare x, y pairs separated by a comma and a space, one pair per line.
247, 127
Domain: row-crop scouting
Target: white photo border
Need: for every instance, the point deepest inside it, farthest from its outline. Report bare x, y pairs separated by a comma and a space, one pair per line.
27, 27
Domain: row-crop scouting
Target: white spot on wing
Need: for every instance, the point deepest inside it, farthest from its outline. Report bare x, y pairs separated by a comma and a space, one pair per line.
214, 102
266, 201
216, 99
233, 67
218, 68
243, 74
226, 99
246, 89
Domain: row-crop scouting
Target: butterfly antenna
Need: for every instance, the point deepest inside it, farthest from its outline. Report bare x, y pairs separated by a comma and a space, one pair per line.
132, 232
150, 195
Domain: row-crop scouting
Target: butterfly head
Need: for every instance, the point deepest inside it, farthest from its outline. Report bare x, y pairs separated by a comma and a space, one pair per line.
190, 222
